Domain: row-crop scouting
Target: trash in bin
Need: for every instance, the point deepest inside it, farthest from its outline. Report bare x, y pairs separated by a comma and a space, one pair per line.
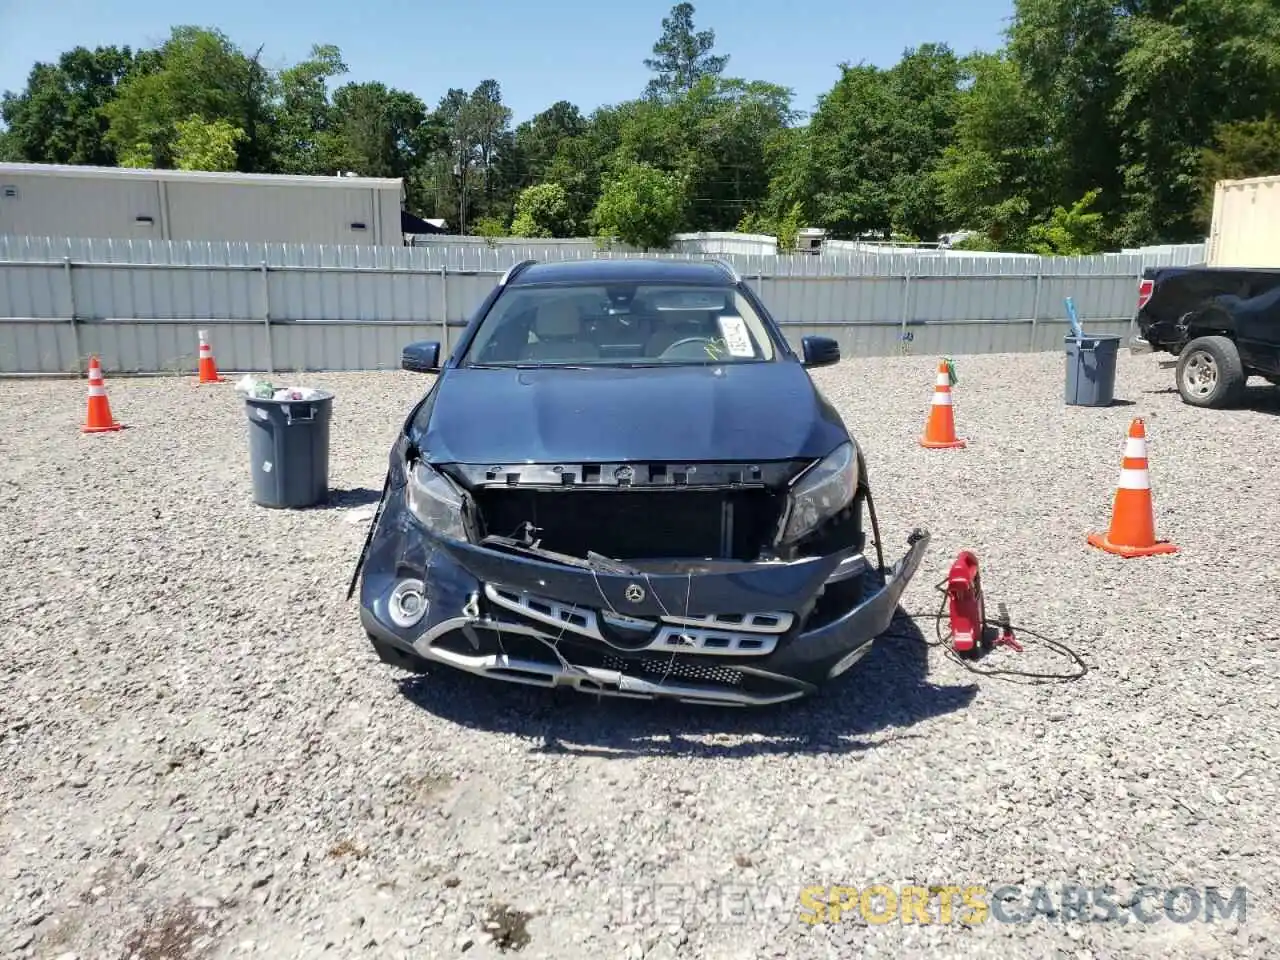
251, 386
296, 393
289, 445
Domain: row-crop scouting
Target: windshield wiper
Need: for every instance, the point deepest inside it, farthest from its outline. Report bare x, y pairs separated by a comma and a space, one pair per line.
527, 366
687, 363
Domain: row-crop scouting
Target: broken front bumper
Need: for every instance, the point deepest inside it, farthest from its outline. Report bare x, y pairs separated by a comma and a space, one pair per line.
720, 632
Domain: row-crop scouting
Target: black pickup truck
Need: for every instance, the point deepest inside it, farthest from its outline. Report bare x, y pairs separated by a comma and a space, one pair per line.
1222, 323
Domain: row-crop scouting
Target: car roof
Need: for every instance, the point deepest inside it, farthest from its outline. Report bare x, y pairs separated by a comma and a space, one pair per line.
638, 269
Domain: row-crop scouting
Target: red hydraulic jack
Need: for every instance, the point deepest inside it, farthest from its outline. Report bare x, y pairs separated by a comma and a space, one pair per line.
968, 609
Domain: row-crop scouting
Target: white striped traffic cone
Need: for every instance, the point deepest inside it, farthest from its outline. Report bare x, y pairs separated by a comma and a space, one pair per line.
940, 429
208, 369
1133, 523
98, 417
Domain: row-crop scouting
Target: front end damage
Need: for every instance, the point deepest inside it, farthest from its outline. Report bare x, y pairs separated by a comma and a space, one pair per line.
737, 584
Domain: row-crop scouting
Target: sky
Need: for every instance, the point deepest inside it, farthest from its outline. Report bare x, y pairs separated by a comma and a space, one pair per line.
589, 52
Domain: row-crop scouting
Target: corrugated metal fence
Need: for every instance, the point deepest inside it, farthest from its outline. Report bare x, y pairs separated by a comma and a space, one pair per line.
716, 244
138, 304
843, 252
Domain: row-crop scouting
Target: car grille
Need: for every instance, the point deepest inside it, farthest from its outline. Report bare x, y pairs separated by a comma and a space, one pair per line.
751, 634
637, 524
658, 667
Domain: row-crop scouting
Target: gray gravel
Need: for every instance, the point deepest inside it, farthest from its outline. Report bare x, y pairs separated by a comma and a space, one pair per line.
199, 755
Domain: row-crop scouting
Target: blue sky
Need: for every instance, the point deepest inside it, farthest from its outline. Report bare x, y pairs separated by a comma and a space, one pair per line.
587, 51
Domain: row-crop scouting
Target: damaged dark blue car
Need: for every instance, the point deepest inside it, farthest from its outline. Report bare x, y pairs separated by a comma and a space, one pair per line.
623, 480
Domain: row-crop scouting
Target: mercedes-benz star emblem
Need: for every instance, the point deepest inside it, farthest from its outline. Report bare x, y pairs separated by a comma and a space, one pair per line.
634, 592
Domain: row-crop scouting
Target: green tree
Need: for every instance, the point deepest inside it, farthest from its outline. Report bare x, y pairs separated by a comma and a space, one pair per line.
721, 129
201, 145
451, 167
714, 138
376, 130
475, 135
851, 155
1069, 51
1247, 148
196, 72
59, 117
641, 206
490, 228
1069, 232
488, 123
541, 211
923, 87
998, 174
537, 140
1135, 92
140, 156
866, 163
1187, 68
681, 56
305, 117
578, 166
531, 151
784, 227
793, 176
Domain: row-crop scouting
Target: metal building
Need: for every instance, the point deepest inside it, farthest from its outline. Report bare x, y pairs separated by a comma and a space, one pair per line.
1246, 223
39, 199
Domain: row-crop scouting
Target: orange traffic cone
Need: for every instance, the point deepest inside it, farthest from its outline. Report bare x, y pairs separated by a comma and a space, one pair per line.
98, 417
940, 430
208, 369
1133, 524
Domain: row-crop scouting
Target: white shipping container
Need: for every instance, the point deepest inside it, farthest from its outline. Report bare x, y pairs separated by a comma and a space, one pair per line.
1246, 223
124, 203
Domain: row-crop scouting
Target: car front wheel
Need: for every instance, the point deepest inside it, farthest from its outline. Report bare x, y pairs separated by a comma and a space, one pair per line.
1210, 373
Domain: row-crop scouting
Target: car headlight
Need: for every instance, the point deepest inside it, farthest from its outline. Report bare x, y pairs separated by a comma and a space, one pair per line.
822, 492
435, 501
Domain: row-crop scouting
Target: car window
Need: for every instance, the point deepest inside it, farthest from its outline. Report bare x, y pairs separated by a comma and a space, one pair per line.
626, 323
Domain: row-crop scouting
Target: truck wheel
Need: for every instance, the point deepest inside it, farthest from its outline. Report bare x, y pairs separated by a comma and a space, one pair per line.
1210, 373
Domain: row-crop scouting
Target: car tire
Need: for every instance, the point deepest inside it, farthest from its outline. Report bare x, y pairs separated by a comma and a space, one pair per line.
1209, 373
393, 655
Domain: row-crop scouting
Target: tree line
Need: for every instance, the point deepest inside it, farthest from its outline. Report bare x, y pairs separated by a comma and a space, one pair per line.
1097, 124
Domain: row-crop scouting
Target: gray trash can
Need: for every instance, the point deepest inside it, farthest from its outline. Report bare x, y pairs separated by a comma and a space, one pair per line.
1091, 370
289, 450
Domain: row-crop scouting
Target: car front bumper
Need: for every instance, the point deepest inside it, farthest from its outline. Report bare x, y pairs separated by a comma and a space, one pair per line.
741, 634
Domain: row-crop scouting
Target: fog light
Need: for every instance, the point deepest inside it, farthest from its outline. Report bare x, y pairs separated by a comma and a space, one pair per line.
408, 603
848, 660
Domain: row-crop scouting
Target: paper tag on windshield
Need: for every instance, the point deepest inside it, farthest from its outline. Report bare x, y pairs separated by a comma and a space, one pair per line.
736, 338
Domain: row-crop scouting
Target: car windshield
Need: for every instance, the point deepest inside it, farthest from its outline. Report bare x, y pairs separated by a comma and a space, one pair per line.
624, 324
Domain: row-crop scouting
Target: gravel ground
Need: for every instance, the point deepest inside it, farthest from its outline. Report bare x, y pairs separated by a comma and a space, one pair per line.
200, 756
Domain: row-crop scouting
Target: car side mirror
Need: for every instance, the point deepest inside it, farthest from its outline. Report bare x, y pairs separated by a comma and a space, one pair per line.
820, 351
421, 357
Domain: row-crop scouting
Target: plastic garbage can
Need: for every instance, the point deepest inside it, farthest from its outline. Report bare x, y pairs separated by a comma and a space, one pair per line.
289, 450
1091, 370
